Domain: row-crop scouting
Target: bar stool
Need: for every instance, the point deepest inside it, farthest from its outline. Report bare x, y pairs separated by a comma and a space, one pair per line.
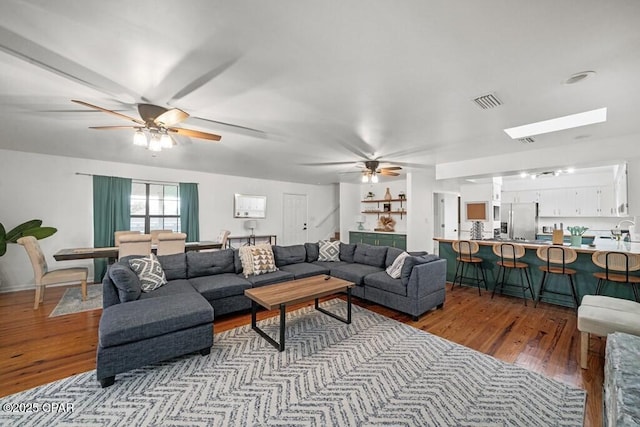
509, 254
617, 262
466, 250
556, 259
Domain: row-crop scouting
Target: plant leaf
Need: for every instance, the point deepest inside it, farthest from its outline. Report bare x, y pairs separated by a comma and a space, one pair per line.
3, 232
3, 247
16, 233
39, 232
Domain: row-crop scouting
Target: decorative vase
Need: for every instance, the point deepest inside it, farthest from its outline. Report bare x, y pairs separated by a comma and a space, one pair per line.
576, 240
387, 195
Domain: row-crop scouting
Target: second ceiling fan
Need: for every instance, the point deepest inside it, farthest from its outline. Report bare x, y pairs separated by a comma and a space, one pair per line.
372, 170
155, 126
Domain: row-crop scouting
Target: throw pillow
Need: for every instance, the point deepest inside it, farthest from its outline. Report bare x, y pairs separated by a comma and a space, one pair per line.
347, 251
395, 269
312, 251
263, 261
149, 271
247, 260
126, 282
329, 251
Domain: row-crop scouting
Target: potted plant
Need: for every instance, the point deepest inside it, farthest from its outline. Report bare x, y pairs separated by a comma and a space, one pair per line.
576, 235
30, 228
370, 195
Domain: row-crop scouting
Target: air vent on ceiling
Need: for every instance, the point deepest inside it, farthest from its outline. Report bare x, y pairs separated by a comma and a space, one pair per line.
487, 101
526, 140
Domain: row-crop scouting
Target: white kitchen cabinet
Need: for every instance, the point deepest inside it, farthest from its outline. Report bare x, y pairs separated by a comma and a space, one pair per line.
520, 196
509, 197
556, 202
585, 201
621, 182
606, 201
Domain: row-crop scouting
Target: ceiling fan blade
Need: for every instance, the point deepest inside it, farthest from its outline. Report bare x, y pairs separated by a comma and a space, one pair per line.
195, 134
26, 50
330, 164
171, 117
115, 127
95, 107
391, 168
203, 79
150, 112
387, 173
256, 133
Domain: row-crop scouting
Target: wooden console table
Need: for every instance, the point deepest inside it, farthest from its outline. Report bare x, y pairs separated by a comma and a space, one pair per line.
251, 240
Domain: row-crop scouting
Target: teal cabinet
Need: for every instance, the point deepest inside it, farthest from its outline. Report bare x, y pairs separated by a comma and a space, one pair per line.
379, 239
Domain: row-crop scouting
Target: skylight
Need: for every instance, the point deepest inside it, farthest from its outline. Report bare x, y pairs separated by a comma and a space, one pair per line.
560, 123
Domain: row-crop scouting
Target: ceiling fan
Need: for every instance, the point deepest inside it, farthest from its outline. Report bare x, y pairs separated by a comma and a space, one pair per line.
372, 170
154, 128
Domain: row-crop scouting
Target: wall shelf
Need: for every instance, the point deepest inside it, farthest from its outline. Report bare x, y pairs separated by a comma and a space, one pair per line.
380, 211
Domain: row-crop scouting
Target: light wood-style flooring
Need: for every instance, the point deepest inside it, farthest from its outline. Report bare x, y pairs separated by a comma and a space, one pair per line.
36, 349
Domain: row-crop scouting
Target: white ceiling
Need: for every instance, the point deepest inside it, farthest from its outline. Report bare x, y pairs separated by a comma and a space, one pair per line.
315, 81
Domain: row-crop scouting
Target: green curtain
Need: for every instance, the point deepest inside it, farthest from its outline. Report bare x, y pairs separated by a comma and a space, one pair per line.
189, 217
111, 213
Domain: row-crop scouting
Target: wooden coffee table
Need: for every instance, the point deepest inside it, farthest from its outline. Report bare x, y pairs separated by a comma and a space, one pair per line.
280, 295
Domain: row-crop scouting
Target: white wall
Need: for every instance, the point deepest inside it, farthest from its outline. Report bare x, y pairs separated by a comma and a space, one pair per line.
420, 189
47, 187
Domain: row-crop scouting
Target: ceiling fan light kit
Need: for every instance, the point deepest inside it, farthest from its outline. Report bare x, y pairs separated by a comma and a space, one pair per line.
155, 121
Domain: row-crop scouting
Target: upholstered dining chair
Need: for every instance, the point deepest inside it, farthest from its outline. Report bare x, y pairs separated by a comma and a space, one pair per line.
171, 243
134, 244
118, 234
617, 266
155, 233
43, 276
223, 237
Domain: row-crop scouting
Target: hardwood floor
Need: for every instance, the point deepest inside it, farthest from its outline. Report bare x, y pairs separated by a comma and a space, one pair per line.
36, 349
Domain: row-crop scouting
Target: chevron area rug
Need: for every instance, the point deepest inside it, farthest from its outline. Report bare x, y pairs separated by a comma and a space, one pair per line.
375, 371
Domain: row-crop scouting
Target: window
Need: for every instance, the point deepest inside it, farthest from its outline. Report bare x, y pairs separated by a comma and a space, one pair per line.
155, 207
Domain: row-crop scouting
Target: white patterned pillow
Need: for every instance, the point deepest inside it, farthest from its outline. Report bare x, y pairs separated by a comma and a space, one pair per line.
247, 260
329, 251
149, 272
395, 268
263, 260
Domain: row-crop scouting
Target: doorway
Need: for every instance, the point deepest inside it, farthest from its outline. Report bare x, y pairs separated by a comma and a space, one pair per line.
446, 215
294, 218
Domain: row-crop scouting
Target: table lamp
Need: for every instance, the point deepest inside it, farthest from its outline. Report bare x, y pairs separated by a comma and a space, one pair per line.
360, 219
252, 224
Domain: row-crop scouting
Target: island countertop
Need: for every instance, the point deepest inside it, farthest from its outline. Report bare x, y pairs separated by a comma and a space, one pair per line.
598, 244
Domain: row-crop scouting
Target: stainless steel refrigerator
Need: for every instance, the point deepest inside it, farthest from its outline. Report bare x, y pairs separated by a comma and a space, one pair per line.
519, 221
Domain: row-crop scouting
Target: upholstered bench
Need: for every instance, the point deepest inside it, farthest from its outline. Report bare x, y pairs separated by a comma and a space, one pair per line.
151, 330
601, 315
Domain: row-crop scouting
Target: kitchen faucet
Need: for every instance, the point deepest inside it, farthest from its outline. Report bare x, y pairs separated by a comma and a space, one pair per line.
618, 233
625, 220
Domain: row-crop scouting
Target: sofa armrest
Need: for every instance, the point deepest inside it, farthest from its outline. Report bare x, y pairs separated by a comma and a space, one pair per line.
427, 278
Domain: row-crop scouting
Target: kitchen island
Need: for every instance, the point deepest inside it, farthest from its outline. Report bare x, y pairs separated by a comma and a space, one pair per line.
584, 280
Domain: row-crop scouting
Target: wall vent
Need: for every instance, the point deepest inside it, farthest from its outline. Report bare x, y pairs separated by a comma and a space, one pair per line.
487, 101
526, 140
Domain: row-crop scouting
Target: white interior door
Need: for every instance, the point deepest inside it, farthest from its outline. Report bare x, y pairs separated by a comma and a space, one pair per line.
295, 219
446, 216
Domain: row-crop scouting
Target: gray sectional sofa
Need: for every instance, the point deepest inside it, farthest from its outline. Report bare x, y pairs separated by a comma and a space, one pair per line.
138, 328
